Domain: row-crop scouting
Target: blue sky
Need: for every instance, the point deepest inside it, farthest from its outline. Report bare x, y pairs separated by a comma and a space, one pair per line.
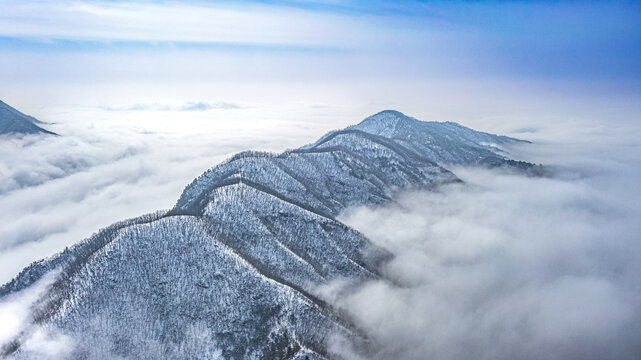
529, 38
396, 53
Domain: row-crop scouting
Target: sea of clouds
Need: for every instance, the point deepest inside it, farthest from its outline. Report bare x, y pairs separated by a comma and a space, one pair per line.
507, 266
501, 266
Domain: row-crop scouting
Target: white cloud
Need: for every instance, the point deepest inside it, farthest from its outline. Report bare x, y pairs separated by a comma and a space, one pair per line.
46, 343
508, 266
15, 313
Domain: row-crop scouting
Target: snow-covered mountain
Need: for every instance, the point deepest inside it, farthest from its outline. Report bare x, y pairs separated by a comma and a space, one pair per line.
446, 143
232, 270
13, 121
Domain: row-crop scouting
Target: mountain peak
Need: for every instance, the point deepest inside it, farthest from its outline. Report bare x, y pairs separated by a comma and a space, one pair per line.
388, 116
389, 112
384, 123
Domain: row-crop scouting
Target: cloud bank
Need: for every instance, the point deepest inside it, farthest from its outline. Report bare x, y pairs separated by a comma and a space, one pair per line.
507, 266
503, 267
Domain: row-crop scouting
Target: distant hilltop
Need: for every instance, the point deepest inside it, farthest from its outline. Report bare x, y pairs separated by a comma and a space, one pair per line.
13, 121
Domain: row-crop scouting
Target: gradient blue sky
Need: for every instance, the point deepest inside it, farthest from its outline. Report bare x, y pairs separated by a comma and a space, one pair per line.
360, 55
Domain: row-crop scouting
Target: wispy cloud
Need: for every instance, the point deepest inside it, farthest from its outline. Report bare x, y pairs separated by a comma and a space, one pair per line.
564, 40
16, 317
169, 22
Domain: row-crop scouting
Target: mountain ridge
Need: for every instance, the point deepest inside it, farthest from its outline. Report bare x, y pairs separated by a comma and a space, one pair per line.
269, 222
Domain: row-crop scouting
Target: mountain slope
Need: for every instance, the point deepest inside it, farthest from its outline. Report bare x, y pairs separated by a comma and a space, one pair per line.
233, 268
13, 121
